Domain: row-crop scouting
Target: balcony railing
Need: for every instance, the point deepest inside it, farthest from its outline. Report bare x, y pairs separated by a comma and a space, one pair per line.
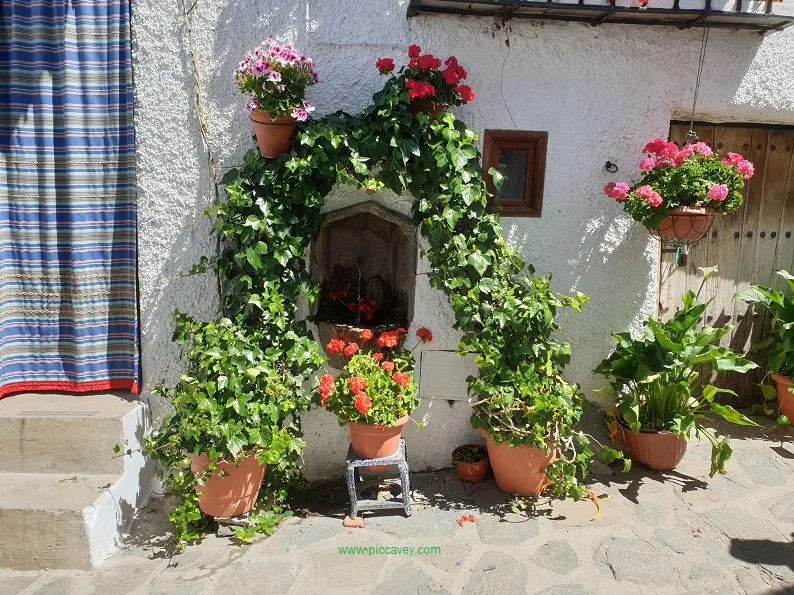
759, 15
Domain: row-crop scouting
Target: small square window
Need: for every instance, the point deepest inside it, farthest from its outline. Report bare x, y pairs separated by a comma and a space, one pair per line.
520, 156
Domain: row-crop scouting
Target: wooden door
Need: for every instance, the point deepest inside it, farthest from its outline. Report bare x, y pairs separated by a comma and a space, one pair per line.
747, 246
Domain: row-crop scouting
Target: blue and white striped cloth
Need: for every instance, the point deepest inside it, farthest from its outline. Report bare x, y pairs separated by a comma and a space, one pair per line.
68, 257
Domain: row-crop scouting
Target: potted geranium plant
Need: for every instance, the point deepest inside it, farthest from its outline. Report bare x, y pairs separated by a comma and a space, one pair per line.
375, 394
779, 340
682, 189
234, 415
426, 86
659, 396
471, 462
275, 79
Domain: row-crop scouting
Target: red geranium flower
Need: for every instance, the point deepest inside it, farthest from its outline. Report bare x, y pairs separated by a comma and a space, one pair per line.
428, 62
362, 402
353, 307
465, 92
326, 388
377, 356
351, 349
388, 366
335, 346
337, 295
366, 334
388, 339
401, 378
384, 65
356, 384
450, 75
425, 335
414, 50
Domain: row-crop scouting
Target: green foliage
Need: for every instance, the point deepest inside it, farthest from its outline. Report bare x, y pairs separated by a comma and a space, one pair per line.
654, 378
469, 454
385, 400
780, 337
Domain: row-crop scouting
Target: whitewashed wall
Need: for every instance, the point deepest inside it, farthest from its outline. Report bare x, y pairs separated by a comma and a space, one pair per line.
601, 93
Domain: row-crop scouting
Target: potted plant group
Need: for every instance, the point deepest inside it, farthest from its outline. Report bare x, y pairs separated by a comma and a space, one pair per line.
426, 86
234, 415
471, 462
779, 340
375, 393
660, 399
275, 78
682, 189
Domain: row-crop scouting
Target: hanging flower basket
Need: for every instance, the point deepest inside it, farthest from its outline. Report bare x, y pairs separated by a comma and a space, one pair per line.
685, 224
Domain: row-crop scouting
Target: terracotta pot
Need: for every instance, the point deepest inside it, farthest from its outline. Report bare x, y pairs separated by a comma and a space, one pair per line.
375, 441
518, 470
472, 471
274, 135
657, 450
331, 330
686, 224
432, 108
233, 494
784, 397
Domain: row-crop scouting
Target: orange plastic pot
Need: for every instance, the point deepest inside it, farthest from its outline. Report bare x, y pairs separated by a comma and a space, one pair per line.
784, 397
375, 441
685, 224
657, 450
273, 135
233, 494
472, 471
519, 470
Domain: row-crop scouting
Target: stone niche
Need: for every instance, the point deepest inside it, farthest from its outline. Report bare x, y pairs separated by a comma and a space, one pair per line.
364, 259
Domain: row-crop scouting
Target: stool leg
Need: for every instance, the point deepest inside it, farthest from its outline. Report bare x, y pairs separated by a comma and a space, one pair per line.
405, 482
352, 491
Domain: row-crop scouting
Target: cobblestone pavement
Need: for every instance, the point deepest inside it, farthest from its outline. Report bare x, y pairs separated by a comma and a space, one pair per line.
675, 532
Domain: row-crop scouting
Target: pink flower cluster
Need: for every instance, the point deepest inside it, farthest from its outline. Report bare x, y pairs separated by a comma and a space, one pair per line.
302, 113
619, 191
650, 195
740, 163
718, 192
661, 152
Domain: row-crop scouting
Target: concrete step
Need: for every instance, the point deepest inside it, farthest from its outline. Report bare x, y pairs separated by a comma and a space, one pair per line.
48, 520
56, 433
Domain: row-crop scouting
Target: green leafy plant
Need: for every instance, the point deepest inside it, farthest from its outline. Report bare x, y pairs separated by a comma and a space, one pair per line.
469, 454
275, 78
655, 383
779, 338
374, 388
693, 176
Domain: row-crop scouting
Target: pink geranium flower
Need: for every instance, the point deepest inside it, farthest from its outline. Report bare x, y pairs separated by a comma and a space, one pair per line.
718, 192
650, 195
746, 169
647, 163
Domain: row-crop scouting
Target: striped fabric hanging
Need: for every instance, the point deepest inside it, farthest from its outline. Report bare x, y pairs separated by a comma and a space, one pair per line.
68, 288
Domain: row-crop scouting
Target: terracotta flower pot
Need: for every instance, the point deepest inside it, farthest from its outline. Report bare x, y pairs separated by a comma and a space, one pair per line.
433, 109
274, 135
472, 471
686, 224
657, 450
375, 441
784, 397
518, 470
233, 494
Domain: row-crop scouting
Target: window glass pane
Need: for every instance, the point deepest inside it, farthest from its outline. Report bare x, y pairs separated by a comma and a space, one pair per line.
513, 166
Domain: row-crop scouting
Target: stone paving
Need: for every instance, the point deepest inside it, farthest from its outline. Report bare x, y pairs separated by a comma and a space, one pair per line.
675, 532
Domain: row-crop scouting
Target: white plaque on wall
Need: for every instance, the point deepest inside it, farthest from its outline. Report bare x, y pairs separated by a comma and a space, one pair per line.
442, 375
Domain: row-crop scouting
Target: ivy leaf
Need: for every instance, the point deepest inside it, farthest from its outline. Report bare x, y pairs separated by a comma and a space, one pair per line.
497, 178
235, 444
253, 258
451, 216
478, 262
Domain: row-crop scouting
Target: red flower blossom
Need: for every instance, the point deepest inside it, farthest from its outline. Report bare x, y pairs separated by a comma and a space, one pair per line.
362, 402
337, 295
356, 384
377, 356
388, 366
428, 62
350, 349
465, 92
335, 346
425, 335
414, 50
401, 378
450, 76
389, 339
326, 388
353, 307
384, 65
419, 89
366, 334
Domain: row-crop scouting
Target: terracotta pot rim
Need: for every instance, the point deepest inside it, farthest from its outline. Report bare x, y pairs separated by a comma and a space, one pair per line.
689, 211
237, 463
267, 118
780, 378
481, 446
400, 422
647, 431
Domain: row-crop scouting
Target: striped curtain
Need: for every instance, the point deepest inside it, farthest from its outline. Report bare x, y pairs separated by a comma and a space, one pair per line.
68, 293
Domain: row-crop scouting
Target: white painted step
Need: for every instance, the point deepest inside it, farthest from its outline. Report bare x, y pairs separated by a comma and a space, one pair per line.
54, 433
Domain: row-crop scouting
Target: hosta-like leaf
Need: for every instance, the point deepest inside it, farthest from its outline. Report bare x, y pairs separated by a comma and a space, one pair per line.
730, 414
